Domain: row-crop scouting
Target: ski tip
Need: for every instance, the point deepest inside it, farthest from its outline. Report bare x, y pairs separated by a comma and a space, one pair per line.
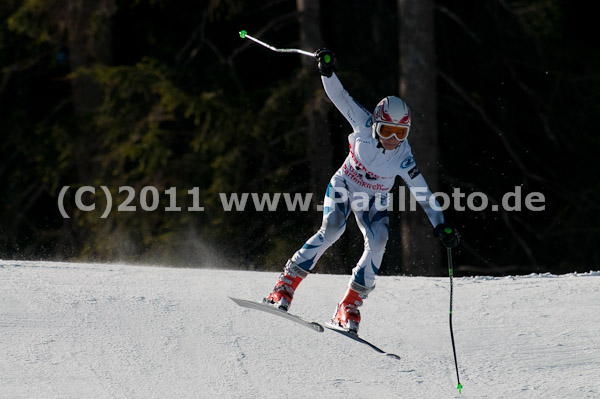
237, 301
392, 355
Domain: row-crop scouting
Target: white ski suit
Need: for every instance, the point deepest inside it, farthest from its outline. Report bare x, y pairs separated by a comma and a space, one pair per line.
362, 185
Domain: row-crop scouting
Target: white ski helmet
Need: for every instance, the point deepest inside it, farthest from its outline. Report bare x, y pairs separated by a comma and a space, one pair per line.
391, 118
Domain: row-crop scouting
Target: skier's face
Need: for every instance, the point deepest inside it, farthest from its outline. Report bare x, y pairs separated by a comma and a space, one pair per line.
389, 144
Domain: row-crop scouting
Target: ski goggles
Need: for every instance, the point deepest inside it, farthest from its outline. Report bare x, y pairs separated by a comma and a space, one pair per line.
386, 131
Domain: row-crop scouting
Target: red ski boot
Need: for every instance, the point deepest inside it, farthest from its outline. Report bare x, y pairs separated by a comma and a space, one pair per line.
283, 292
347, 314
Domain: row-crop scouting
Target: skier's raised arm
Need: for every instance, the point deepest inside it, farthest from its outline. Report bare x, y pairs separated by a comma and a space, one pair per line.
354, 113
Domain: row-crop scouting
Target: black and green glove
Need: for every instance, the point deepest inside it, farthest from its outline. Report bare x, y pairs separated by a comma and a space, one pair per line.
325, 57
449, 236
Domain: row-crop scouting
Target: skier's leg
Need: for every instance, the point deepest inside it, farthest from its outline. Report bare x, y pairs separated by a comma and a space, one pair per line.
336, 208
335, 211
374, 225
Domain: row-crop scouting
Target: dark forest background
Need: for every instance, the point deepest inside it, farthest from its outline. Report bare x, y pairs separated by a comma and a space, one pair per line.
166, 94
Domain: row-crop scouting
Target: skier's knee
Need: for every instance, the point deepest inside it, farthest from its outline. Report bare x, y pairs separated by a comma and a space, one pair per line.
377, 243
333, 226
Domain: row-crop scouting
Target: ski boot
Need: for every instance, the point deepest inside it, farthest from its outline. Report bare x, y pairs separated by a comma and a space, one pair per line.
283, 292
347, 314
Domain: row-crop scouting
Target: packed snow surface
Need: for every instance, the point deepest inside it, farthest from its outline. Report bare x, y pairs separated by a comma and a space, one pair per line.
73, 330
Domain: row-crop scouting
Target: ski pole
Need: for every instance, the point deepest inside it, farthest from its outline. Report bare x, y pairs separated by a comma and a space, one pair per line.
245, 35
451, 273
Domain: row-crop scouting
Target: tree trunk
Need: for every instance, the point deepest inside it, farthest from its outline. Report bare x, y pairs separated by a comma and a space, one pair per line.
320, 151
89, 42
421, 251
315, 107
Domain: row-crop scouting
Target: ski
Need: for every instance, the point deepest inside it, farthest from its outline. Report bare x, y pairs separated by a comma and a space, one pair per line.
278, 312
264, 307
355, 337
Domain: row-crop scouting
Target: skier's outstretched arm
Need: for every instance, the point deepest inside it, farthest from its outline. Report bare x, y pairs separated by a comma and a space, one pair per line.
354, 113
409, 172
419, 188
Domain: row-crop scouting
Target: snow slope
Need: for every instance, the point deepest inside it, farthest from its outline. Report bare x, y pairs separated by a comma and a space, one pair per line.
70, 330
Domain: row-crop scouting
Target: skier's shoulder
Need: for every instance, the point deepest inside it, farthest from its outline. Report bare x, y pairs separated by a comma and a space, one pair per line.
361, 135
405, 152
407, 166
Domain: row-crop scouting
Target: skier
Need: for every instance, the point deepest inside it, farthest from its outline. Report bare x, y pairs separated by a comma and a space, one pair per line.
379, 151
